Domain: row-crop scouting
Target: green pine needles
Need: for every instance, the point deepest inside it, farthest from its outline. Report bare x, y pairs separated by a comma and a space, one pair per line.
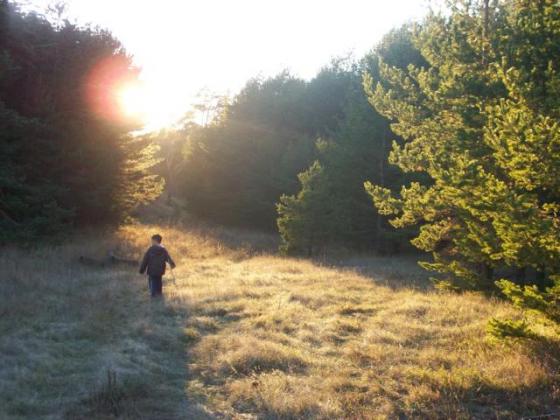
481, 120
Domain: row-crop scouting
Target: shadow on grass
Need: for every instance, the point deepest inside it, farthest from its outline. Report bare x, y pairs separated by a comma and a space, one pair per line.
547, 352
399, 271
169, 340
487, 401
453, 398
142, 369
394, 272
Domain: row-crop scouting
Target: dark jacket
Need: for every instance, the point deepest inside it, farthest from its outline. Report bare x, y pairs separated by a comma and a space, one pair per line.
154, 261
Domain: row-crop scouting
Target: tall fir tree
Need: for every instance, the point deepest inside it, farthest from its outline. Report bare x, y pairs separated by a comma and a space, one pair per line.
354, 151
66, 152
482, 122
524, 135
438, 111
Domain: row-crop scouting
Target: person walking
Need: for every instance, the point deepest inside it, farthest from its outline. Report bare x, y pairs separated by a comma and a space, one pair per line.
154, 264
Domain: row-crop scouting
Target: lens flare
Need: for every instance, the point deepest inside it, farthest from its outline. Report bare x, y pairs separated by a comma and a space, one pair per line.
103, 85
156, 105
117, 93
133, 99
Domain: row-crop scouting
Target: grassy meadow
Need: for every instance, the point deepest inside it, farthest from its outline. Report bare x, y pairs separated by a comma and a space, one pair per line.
245, 333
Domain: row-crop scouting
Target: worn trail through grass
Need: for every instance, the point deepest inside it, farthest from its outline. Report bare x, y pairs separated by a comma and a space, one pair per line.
245, 333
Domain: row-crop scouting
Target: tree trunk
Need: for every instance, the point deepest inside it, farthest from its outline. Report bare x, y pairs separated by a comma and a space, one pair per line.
520, 276
541, 277
378, 220
488, 274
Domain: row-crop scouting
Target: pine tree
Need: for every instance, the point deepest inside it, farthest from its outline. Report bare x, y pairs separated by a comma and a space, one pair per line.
437, 110
304, 219
66, 154
28, 198
238, 165
354, 151
482, 122
523, 133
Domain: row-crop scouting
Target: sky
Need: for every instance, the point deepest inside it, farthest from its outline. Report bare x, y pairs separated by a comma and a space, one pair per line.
185, 46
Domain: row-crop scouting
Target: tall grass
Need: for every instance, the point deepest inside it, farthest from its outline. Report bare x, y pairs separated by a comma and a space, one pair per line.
245, 333
64, 326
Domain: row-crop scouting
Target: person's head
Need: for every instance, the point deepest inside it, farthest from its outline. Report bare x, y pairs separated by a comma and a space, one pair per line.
156, 239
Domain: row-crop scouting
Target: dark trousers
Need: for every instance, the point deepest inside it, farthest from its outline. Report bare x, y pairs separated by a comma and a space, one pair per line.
154, 283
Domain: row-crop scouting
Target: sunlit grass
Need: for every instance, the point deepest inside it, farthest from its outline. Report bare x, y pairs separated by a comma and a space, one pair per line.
246, 332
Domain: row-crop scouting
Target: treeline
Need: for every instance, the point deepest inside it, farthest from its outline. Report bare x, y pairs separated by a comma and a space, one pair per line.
242, 167
445, 136
66, 158
451, 123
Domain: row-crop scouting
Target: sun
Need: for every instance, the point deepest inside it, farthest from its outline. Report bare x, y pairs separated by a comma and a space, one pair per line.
133, 100
156, 105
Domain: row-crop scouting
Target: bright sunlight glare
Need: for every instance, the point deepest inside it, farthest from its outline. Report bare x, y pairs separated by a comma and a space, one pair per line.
154, 104
185, 47
133, 100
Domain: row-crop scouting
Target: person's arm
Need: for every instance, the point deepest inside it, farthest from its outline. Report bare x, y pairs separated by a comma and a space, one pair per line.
170, 260
144, 264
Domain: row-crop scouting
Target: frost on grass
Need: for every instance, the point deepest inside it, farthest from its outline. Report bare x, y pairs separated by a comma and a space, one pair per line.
244, 332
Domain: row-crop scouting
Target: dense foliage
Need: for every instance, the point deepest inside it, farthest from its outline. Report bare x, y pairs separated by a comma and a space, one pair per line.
481, 121
332, 206
239, 164
242, 168
66, 157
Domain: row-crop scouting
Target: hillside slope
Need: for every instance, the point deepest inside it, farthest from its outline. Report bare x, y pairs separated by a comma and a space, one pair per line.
244, 333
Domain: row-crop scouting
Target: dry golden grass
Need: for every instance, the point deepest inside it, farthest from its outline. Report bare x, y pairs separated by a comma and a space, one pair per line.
247, 334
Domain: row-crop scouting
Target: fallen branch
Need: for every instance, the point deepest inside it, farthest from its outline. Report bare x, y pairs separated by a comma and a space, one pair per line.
122, 261
111, 260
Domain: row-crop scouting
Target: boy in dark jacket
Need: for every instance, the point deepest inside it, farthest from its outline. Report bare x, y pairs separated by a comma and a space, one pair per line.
154, 264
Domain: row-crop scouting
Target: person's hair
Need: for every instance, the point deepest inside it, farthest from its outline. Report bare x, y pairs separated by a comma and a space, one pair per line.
157, 237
